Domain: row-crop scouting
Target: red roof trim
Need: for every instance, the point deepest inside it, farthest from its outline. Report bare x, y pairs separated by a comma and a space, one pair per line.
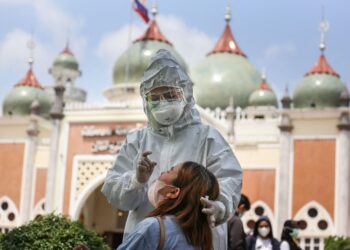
264, 85
227, 43
29, 80
67, 50
322, 67
153, 33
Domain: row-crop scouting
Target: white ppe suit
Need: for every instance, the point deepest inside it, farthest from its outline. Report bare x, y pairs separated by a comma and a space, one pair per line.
186, 140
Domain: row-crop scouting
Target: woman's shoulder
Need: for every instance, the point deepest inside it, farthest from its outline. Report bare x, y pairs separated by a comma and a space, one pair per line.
144, 236
284, 245
149, 222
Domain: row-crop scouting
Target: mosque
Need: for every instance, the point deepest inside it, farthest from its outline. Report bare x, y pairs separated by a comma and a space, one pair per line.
55, 147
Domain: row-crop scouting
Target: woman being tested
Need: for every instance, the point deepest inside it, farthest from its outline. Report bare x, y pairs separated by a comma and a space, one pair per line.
176, 196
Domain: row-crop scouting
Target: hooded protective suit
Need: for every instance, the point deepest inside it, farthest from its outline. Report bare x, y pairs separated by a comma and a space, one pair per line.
186, 140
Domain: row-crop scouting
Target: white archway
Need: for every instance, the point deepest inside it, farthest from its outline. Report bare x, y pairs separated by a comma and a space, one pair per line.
9, 216
257, 209
77, 206
316, 225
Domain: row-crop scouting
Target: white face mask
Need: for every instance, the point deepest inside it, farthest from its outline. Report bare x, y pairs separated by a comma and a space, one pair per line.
167, 113
154, 195
263, 231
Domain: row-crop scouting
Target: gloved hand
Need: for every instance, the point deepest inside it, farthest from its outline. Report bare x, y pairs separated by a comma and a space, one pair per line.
215, 210
144, 167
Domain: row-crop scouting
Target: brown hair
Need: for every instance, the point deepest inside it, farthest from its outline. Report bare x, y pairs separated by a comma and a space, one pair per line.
194, 181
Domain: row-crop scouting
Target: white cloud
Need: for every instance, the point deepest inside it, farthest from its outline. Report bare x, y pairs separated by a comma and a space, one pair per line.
14, 53
115, 43
276, 51
60, 25
57, 23
190, 42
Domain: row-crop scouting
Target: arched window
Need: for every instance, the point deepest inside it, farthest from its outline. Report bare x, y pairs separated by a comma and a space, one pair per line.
316, 224
256, 210
8, 214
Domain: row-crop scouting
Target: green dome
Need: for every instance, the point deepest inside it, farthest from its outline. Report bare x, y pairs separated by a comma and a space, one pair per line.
138, 57
263, 97
318, 90
20, 99
222, 75
66, 60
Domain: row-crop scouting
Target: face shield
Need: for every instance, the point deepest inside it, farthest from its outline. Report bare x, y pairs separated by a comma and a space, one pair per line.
166, 104
167, 93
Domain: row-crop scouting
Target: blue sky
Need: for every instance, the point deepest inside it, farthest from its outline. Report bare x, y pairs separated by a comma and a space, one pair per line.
280, 36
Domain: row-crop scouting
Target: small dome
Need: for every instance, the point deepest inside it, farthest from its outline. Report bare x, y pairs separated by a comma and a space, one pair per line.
66, 60
223, 74
263, 96
137, 57
321, 87
20, 99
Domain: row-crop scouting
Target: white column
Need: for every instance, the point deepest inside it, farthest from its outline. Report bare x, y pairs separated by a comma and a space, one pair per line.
28, 171
51, 173
56, 115
283, 178
342, 182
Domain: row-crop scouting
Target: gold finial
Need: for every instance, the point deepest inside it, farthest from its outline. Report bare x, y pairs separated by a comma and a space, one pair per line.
154, 9
228, 12
31, 47
324, 27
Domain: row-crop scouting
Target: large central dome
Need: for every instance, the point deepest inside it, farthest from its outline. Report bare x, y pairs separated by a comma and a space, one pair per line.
223, 74
130, 66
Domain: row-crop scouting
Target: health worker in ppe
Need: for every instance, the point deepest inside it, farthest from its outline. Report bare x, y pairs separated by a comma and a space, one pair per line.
174, 134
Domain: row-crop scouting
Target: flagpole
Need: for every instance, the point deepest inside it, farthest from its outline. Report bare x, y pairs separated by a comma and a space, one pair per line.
126, 75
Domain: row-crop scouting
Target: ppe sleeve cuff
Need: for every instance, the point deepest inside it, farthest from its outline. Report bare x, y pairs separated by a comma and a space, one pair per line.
222, 210
134, 184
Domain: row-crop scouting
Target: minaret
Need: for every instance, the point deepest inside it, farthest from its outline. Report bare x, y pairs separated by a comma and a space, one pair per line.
68, 64
31, 149
62, 73
283, 177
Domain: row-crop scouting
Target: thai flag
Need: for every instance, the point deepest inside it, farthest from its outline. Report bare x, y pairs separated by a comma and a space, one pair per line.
141, 9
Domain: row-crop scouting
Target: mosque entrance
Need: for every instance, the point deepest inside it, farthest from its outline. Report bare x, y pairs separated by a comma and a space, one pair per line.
98, 215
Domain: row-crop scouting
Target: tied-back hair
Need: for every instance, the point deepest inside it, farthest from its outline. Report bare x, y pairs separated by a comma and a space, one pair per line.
194, 181
288, 227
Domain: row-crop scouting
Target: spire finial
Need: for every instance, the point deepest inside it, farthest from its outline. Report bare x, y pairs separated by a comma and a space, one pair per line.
228, 12
67, 42
31, 47
154, 9
286, 91
286, 100
263, 74
324, 27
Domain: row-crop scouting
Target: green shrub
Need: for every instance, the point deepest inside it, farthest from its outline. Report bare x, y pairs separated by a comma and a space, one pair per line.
337, 243
51, 232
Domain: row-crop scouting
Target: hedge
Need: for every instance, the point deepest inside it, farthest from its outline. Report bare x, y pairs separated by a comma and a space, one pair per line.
51, 232
337, 243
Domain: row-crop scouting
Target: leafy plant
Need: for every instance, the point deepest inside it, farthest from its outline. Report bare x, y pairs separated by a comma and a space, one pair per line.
337, 243
51, 232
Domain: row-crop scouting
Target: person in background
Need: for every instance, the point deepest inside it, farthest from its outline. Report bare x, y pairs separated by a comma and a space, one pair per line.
174, 134
176, 196
236, 235
262, 237
289, 236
